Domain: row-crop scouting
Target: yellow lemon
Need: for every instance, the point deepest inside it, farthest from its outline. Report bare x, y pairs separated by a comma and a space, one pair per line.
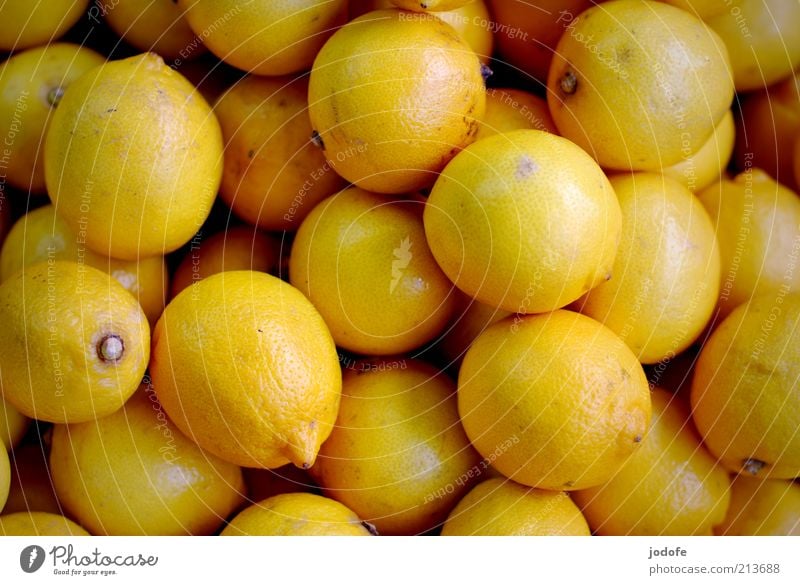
554, 401
670, 486
700, 8
363, 260
75, 343
245, 366
39, 524
745, 397
500, 507
134, 473
757, 222
133, 158
42, 235
5, 477
769, 507
274, 175
13, 425
393, 97
638, 84
665, 280
524, 221
514, 109
296, 515
267, 38
31, 86
23, 25
398, 456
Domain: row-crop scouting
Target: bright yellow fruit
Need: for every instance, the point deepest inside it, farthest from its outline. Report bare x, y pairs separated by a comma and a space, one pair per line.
429, 5
554, 401
514, 109
5, 477
296, 515
133, 158
699, 170
500, 507
238, 248
703, 9
31, 484
363, 261
398, 456
758, 507
274, 175
38, 524
761, 36
758, 229
393, 97
159, 26
134, 473
639, 84
31, 85
671, 486
471, 318
665, 280
13, 425
267, 38
745, 396
75, 343
23, 25
42, 235
245, 366
525, 221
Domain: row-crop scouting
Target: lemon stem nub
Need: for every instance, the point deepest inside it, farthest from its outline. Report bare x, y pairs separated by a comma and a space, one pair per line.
54, 96
110, 349
753, 466
316, 140
569, 83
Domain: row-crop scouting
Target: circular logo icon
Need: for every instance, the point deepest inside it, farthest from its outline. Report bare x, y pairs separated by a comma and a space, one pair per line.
31, 558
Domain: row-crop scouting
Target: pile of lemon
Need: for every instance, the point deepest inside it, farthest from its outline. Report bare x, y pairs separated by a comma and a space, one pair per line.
311, 267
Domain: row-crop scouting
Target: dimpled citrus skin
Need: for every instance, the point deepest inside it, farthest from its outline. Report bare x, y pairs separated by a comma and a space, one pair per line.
42, 234
267, 38
245, 366
23, 25
758, 507
500, 507
133, 158
649, 86
363, 261
557, 400
398, 456
762, 35
393, 98
745, 397
274, 175
665, 279
13, 425
525, 221
155, 25
29, 84
705, 166
671, 486
757, 222
514, 109
134, 473
38, 524
59, 320
297, 514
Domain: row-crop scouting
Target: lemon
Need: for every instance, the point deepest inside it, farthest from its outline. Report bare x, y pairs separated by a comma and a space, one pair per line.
296, 515
666, 275
5, 477
398, 456
393, 97
134, 473
744, 392
431, 5
363, 261
701, 8
38, 524
500, 507
13, 425
554, 401
133, 158
42, 235
769, 507
245, 366
75, 343
670, 486
524, 221
514, 109
32, 83
23, 25
266, 38
639, 84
